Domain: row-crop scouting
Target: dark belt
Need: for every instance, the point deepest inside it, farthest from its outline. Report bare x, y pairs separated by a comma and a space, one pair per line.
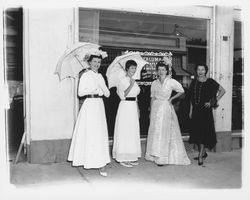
90, 96
130, 99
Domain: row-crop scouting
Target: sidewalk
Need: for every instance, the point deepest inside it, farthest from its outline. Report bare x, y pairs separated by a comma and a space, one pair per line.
220, 170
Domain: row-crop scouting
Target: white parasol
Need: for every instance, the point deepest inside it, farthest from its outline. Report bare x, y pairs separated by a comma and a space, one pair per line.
73, 60
117, 68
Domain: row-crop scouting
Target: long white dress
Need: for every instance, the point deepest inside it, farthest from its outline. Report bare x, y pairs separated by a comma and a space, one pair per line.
89, 146
164, 143
127, 146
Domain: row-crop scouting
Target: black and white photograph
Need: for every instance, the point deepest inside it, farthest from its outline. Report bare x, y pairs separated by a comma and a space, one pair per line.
123, 100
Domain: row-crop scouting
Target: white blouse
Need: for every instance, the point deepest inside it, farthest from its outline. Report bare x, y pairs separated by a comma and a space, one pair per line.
92, 83
123, 85
163, 91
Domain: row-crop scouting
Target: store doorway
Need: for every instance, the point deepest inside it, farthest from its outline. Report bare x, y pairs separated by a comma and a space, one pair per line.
13, 37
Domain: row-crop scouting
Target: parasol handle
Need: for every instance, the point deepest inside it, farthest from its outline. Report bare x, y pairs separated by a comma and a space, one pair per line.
121, 66
78, 61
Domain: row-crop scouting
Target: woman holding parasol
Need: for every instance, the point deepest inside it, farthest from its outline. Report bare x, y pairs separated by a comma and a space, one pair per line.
89, 146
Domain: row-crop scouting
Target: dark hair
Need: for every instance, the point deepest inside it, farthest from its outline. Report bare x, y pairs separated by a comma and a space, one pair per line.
203, 65
94, 56
162, 64
130, 63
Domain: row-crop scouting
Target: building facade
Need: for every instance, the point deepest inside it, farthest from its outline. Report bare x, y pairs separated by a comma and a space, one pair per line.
193, 34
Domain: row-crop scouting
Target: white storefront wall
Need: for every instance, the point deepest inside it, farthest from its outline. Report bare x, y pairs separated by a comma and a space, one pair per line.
49, 101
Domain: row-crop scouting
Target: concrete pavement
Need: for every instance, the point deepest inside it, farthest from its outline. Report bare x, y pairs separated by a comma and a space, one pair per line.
219, 178
220, 170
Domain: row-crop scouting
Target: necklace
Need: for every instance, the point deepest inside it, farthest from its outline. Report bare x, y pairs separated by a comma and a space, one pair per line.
197, 98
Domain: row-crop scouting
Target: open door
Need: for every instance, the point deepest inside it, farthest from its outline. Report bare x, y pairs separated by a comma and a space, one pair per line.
13, 37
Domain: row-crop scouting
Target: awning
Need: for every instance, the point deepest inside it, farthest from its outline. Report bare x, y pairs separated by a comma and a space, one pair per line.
180, 71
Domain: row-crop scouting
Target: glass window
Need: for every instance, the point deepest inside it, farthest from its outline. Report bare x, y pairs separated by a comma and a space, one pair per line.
186, 38
14, 44
237, 106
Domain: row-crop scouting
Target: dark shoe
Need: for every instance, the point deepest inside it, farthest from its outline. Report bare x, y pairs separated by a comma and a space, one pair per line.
204, 156
200, 162
159, 165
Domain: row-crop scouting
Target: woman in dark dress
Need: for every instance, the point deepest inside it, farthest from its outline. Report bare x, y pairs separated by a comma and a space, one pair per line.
204, 93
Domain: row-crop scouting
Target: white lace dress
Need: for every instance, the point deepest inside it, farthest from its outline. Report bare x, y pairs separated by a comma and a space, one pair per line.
127, 146
164, 143
89, 146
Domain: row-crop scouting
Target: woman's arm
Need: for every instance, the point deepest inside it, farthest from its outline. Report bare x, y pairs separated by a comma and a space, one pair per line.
221, 92
178, 94
177, 87
132, 82
103, 86
105, 90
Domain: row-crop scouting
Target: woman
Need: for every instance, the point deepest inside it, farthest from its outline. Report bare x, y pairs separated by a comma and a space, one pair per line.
127, 147
164, 143
203, 97
89, 146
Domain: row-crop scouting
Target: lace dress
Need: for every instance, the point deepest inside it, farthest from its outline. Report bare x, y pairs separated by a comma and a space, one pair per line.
164, 142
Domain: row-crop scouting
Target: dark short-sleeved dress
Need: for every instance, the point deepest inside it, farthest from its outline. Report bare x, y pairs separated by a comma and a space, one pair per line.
202, 130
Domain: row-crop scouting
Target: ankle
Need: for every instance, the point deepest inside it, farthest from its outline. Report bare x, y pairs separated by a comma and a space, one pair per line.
103, 169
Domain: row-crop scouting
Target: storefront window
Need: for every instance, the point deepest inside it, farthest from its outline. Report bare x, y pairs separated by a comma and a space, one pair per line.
237, 107
186, 38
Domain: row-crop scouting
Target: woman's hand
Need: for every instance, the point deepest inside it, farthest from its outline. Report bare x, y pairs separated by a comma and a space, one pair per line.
132, 81
207, 104
178, 94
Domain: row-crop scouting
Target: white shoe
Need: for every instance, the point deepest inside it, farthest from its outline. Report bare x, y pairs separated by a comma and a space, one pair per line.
135, 163
103, 173
126, 164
